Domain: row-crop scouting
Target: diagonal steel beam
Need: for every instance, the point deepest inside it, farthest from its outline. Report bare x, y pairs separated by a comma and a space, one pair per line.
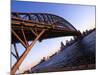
14, 55
16, 51
34, 32
18, 63
27, 44
22, 42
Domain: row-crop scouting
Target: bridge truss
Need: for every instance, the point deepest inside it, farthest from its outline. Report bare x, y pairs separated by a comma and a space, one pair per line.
36, 26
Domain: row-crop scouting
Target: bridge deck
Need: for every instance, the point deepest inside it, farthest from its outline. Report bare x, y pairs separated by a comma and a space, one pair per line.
29, 26
51, 33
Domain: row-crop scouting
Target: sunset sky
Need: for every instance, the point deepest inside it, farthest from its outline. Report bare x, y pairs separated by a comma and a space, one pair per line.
82, 17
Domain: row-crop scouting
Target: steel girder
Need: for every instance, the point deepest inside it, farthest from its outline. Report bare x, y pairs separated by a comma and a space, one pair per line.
34, 27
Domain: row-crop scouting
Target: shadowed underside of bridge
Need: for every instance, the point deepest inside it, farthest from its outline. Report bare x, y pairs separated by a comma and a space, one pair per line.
55, 26
36, 26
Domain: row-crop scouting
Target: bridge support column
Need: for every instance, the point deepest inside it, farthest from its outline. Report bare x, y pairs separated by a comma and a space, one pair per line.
28, 48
